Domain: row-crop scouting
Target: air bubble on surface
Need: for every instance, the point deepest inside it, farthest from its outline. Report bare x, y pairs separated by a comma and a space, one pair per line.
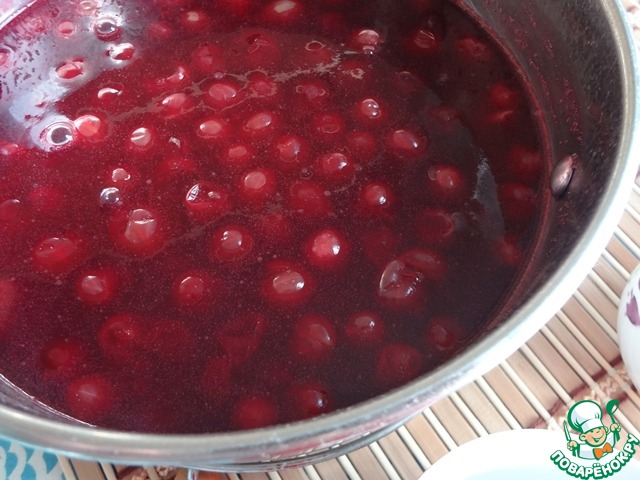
58, 135
110, 196
87, 7
106, 28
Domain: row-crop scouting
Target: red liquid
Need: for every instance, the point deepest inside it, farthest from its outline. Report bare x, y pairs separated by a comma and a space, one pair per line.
223, 215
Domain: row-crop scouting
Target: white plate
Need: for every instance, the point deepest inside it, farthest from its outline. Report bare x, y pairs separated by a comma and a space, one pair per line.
518, 455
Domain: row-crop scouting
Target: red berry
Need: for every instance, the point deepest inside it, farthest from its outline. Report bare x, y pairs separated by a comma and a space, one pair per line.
327, 249
401, 286
328, 126
444, 334
122, 51
241, 338
231, 243
428, 262
262, 87
58, 255
213, 129
138, 232
291, 152
120, 337
313, 54
89, 127
141, 139
364, 329
193, 290
398, 364
237, 157
70, 70
287, 284
435, 227
376, 200
310, 399
195, 21
474, 49
208, 59
63, 358
125, 179
446, 184
254, 412
363, 146
261, 124
428, 36
96, 287
223, 94
518, 203
508, 252
313, 339
369, 111
524, 164
91, 398
367, 40
309, 199
283, 12
407, 143
257, 186
335, 167
159, 31
310, 94
11, 212
65, 29
206, 201
177, 104
258, 48
354, 75
503, 97
177, 79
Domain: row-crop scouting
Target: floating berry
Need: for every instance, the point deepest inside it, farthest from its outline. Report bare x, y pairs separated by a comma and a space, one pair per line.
96, 287
327, 249
364, 329
63, 358
287, 284
310, 399
91, 398
206, 201
139, 232
254, 412
313, 339
397, 364
58, 255
231, 243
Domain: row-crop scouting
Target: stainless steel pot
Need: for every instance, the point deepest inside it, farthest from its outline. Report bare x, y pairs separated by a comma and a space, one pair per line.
578, 58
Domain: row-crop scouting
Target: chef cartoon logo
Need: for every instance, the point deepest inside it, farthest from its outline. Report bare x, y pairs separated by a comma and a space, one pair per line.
592, 451
596, 440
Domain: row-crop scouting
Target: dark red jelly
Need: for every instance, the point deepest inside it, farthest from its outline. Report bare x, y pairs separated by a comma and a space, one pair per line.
225, 215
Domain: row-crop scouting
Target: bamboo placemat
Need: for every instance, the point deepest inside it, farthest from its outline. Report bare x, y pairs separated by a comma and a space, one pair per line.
574, 357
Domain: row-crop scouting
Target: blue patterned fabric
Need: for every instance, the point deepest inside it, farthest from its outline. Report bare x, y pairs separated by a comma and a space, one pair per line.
23, 463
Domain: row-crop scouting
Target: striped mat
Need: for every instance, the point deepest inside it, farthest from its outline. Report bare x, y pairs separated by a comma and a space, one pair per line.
574, 357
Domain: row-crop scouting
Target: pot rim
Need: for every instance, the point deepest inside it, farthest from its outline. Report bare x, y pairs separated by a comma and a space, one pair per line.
230, 447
